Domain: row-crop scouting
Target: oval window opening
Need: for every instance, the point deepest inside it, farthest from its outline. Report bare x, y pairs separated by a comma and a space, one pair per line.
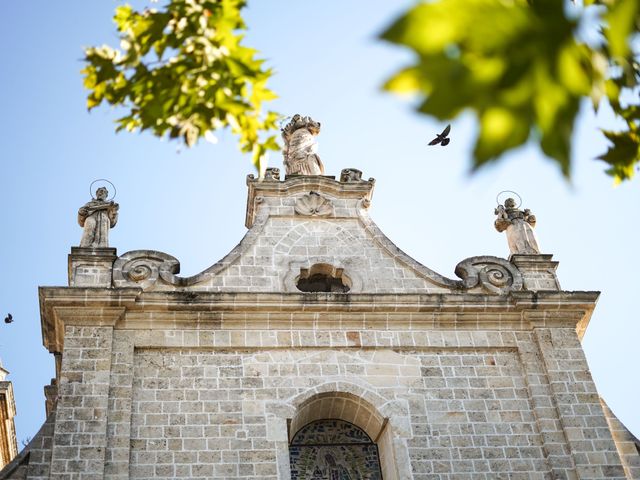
322, 277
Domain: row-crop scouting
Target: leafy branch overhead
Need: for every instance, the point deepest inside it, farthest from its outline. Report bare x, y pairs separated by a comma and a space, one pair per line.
523, 68
182, 71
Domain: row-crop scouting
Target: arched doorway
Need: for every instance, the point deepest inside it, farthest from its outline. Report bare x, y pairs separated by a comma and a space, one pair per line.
333, 449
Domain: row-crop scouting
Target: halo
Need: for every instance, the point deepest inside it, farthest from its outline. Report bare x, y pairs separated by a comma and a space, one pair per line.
509, 191
282, 120
102, 180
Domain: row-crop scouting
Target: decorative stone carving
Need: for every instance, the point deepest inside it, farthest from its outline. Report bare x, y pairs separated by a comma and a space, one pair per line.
493, 274
300, 147
313, 205
96, 217
143, 268
272, 174
519, 226
350, 175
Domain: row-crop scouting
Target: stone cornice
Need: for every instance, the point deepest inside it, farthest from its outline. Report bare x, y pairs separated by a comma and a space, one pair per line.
132, 308
61, 306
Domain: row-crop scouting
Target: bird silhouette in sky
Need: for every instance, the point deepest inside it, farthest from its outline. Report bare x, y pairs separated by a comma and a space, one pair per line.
8, 318
442, 138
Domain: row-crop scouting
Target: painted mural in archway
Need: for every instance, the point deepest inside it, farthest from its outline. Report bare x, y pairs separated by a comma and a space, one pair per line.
333, 450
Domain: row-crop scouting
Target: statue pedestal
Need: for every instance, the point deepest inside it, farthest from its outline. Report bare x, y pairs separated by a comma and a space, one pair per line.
91, 267
538, 271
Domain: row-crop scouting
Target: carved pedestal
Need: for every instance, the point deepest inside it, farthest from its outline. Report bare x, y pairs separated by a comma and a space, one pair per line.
91, 267
538, 271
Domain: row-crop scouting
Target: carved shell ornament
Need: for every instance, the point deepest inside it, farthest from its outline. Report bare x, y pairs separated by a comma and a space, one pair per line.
313, 205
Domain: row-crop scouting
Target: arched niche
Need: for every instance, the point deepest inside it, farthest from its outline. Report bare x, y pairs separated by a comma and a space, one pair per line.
323, 277
356, 410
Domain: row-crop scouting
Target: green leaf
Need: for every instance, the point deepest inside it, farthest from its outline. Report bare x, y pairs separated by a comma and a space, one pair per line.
209, 82
500, 130
621, 18
623, 155
519, 67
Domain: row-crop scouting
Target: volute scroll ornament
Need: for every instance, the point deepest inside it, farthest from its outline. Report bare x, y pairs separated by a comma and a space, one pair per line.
350, 175
272, 174
495, 275
143, 268
314, 205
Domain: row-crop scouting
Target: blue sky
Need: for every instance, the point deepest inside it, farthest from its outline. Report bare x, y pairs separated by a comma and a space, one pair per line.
191, 204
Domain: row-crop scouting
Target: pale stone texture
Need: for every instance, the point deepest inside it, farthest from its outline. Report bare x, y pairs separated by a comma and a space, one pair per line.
80, 436
626, 443
96, 217
309, 220
91, 267
8, 444
210, 376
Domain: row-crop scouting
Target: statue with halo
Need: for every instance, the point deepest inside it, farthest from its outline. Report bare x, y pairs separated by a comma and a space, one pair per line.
96, 217
519, 227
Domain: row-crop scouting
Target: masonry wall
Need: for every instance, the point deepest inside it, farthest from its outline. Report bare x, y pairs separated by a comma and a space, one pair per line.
207, 403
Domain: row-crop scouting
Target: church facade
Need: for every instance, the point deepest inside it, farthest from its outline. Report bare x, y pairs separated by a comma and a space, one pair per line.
317, 349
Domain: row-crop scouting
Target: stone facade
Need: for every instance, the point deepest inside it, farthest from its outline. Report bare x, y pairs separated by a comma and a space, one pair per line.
168, 377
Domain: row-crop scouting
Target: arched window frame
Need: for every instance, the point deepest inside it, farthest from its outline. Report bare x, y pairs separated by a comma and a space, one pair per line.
391, 418
359, 446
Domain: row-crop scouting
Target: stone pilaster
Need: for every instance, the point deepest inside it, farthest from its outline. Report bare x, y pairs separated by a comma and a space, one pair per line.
91, 267
585, 426
538, 271
80, 434
119, 411
542, 401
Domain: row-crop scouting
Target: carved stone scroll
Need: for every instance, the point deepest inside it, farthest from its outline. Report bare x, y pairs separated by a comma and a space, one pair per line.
272, 174
314, 205
143, 268
495, 275
350, 175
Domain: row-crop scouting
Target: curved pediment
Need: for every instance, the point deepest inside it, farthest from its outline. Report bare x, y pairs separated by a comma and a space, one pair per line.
317, 231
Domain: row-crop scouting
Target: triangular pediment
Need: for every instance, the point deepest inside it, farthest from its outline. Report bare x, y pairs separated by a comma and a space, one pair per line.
313, 232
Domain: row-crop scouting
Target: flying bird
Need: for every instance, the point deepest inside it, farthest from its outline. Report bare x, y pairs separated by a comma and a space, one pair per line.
8, 318
441, 138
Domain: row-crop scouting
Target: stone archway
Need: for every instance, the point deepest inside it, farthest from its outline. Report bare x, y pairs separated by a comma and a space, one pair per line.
385, 421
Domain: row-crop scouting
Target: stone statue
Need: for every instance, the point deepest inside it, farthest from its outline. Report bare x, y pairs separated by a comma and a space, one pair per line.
300, 147
519, 226
97, 217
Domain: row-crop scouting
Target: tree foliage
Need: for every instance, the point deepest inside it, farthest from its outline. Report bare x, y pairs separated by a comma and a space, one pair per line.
523, 67
182, 71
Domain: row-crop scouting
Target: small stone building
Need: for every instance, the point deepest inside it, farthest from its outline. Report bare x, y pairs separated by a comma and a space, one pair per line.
317, 349
8, 444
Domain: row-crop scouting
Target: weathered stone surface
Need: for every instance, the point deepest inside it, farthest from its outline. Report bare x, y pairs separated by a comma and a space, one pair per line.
96, 217
461, 384
306, 221
300, 147
211, 376
91, 267
519, 227
8, 444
